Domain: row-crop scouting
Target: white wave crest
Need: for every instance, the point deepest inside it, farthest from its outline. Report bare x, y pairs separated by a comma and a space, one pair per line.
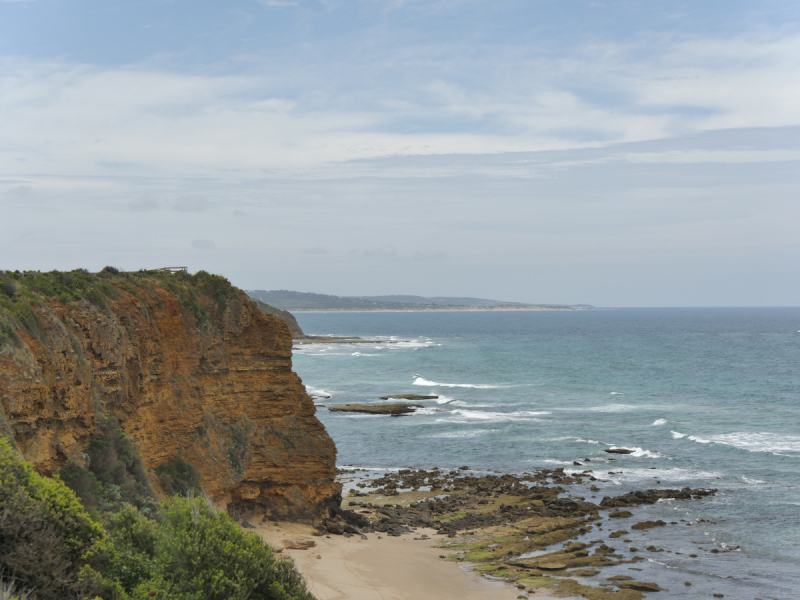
465, 434
428, 410
613, 408
640, 452
615, 394
774, 443
318, 393
752, 481
443, 399
422, 381
677, 435
663, 475
470, 416
659, 422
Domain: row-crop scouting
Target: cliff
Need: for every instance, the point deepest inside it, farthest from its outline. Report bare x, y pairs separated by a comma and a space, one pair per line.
187, 365
283, 315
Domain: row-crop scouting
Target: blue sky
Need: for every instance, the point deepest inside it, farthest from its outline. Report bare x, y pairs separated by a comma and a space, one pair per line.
616, 153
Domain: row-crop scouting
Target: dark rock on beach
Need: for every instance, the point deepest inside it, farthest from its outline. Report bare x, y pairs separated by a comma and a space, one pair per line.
494, 520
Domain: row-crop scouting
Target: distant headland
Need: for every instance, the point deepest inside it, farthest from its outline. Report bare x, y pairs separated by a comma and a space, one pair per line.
310, 302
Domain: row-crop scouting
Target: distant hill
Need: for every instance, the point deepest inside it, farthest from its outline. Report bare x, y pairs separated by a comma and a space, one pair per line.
301, 301
440, 301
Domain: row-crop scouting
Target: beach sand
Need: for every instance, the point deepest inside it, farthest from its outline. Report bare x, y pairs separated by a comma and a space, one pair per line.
391, 568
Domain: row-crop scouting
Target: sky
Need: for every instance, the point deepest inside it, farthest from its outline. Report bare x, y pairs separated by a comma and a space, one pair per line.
618, 153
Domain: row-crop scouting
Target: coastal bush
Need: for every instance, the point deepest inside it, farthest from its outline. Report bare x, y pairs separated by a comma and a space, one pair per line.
19, 309
47, 539
190, 288
7, 334
114, 473
69, 286
193, 552
52, 549
178, 476
7, 286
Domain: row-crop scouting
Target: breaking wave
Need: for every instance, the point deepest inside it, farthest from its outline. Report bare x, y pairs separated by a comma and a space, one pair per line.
422, 381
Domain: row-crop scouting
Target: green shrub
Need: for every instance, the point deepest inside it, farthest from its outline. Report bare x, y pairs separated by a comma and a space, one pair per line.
46, 537
196, 553
115, 472
8, 335
178, 476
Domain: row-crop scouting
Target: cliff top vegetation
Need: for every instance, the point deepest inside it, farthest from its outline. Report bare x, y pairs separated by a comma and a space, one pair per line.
22, 291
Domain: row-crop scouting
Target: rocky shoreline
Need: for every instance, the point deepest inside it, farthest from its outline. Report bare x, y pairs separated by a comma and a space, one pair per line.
521, 529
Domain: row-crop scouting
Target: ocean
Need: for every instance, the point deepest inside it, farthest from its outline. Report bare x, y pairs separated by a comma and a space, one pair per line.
703, 397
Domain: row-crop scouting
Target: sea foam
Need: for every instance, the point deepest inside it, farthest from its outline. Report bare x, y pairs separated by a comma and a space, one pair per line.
468, 416
422, 381
774, 443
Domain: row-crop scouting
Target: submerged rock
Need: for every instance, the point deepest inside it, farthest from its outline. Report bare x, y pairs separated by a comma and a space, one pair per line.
648, 525
639, 586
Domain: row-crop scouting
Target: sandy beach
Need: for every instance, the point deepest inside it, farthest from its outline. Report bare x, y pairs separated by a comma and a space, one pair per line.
382, 567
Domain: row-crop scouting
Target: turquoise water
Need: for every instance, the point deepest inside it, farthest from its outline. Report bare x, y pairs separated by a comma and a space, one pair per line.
703, 397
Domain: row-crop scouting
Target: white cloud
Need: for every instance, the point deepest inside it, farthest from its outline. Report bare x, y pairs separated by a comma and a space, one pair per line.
145, 202
191, 203
382, 252
63, 118
20, 191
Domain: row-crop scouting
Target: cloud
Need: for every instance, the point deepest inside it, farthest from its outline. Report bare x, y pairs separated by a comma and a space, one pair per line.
382, 252
306, 117
191, 203
315, 250
144, 203
428, 255
203, 244
278, 3
21, 191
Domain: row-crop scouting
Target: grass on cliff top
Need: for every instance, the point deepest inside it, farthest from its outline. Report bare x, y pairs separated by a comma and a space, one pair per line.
22, 291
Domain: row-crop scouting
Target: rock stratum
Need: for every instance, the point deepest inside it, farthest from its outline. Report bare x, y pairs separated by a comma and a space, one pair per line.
186, 364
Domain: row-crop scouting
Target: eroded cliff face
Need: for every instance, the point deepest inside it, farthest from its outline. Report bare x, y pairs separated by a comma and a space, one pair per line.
210, 380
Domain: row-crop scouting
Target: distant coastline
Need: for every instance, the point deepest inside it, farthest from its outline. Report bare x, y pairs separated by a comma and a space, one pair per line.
285, 300
442, 309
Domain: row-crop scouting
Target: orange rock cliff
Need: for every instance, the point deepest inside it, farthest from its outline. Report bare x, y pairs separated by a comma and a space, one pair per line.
187, 365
